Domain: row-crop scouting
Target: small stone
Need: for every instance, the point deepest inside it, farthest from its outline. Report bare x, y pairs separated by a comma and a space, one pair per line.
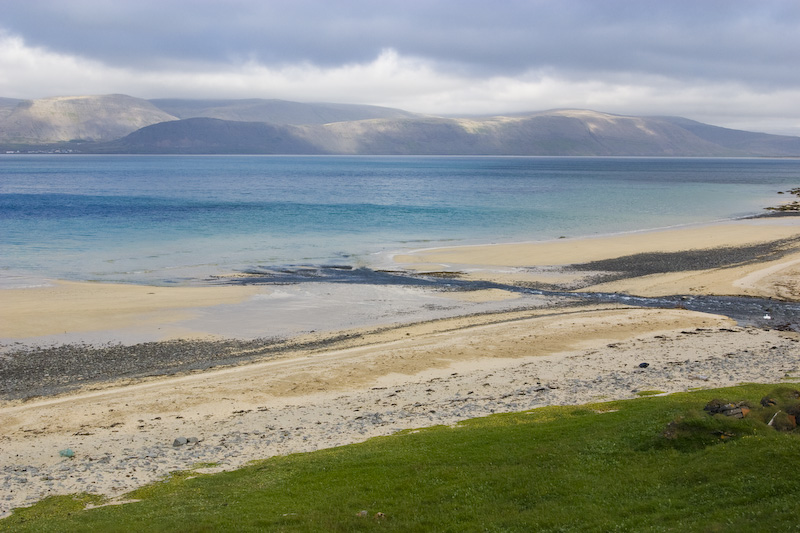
180, 441
644, 365
66, 452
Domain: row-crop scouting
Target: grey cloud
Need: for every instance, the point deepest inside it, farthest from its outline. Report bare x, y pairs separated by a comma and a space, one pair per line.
737, 40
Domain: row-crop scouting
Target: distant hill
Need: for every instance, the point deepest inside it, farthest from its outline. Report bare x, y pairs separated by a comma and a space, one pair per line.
7, 105
123, 124
88, 118
762, 144
559, 132
275, 111
211, 136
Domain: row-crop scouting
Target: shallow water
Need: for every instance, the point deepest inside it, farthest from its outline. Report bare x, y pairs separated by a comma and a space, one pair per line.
179, 219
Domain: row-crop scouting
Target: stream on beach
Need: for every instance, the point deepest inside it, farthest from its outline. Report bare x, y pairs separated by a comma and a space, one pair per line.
746, 311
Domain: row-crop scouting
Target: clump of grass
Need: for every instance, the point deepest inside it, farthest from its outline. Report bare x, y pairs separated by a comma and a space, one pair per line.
597, 467
696, 429
778, 410
649, 392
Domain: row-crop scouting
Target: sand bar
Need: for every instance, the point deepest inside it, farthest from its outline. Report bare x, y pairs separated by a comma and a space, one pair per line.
750, 274
582, 250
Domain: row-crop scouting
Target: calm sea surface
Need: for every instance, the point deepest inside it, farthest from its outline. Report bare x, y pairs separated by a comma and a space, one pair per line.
178, 219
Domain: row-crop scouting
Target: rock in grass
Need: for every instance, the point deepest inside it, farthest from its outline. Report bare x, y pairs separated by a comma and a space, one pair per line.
732, 409
783, 421
766, 401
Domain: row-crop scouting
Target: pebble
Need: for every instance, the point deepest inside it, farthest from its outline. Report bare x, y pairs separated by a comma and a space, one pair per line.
264, 433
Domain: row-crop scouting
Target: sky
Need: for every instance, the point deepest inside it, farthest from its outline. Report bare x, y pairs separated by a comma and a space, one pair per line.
732, 63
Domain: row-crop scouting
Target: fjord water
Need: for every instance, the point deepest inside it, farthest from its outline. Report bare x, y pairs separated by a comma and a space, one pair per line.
179, 219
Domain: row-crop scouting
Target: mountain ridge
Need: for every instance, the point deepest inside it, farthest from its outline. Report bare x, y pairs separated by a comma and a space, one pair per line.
274, 111
124, 124
65, 118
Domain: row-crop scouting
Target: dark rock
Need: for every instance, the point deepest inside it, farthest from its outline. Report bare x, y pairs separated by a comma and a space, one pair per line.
644, 365
723, 407
180, 441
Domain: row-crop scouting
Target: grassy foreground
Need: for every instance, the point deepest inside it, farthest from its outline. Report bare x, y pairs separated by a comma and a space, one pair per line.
600, 467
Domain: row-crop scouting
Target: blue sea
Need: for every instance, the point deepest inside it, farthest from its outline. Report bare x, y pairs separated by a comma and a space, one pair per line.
169, 220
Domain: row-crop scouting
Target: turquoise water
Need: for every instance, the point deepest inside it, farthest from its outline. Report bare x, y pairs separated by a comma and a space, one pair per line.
178, 219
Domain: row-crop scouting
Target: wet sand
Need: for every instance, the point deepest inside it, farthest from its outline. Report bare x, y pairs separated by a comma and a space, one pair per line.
754, 257
325, 388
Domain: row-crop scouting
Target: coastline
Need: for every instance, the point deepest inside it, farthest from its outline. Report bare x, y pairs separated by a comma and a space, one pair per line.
60, 311
329, 388
761, 249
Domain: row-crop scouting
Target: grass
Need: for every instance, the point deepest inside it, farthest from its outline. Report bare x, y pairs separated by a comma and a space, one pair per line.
600, 467
649, 392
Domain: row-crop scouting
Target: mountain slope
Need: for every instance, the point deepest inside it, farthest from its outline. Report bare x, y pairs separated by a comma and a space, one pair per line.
275, 111
91, 118
561, 132
763, 143
7, 105
211, 136
123, 124
551, 133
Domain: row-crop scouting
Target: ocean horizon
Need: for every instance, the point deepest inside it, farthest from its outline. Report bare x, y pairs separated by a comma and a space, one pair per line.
180, 220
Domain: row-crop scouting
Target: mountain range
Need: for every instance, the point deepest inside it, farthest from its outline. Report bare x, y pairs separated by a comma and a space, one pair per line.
124, 124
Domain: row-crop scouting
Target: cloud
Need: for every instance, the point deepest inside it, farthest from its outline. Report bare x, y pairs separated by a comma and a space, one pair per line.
730, 39
728, 62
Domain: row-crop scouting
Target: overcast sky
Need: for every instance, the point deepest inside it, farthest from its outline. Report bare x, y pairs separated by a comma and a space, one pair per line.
733, 63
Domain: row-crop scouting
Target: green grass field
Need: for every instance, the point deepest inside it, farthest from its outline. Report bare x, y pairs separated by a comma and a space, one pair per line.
599, 467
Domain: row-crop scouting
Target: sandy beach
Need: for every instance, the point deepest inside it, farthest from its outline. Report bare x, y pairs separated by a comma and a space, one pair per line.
430, 357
